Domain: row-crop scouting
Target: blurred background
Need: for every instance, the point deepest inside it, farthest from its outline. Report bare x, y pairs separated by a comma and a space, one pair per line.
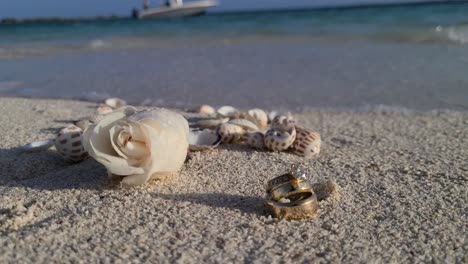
275, 54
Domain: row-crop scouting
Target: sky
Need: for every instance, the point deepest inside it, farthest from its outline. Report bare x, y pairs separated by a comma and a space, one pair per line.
90, 8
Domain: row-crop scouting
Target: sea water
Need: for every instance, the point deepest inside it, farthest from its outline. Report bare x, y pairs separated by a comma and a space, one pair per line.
412, 57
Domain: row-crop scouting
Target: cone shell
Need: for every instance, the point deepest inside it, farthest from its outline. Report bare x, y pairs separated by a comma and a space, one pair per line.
69, 144
283, 122
259, 117
230, 133
206, 110
254, 139
279, 140
115, 102
307, 143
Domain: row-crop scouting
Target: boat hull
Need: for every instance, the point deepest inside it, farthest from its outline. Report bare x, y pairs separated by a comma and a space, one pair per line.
188, 9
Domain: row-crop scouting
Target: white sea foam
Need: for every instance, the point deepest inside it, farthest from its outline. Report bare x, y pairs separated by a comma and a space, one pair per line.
9, 85
97, 44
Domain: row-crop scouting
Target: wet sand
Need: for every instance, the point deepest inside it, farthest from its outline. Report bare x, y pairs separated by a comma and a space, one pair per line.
402, 180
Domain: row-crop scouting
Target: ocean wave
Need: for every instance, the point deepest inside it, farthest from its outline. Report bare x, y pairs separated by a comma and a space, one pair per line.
458, 34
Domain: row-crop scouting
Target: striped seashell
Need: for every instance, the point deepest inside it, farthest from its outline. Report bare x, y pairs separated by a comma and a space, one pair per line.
307, 143
283, 122
230, 133
104, 109
244, 123
69, 144
279, 140
259, 117
254, 139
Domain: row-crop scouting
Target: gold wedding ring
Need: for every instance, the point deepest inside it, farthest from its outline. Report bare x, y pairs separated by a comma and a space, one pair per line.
290, 196
300, 206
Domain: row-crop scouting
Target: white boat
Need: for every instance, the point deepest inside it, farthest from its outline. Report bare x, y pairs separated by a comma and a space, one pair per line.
175, 8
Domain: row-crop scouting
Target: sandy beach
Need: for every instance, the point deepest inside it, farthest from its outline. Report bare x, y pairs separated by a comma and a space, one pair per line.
402, 180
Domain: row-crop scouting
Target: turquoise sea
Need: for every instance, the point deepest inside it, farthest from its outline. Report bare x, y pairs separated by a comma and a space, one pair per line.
403, 57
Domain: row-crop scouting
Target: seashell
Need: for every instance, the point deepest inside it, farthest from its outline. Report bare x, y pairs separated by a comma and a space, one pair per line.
283, 122
279, 140
39, 145
206, 110
206, 139
254, 139
104, 109
307, 143
69, 144
83, 124
259, 117
115, 102
276, 113
228, 111
245, 124
230, 133
210, 122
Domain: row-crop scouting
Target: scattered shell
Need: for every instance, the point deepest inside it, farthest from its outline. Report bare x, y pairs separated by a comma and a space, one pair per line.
307, 143
259, 117
207, 110
227, 111
83, 124
279, 140
115, 102
254, 139
283, 122
206, 139
104, 109
210, 122
245, 124
230, 133
276, 113
39, 145
69, 144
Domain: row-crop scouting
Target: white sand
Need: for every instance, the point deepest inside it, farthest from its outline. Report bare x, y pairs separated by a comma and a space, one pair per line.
403, 179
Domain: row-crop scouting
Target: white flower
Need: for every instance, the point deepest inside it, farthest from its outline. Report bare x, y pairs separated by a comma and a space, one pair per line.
139, 146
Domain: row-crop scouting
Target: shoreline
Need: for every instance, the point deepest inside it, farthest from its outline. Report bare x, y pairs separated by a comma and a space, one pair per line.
402, 180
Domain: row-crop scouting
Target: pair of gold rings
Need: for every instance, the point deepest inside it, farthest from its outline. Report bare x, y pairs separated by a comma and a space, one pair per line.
290, 196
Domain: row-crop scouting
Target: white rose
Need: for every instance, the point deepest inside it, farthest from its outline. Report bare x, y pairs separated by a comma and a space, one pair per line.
139, 146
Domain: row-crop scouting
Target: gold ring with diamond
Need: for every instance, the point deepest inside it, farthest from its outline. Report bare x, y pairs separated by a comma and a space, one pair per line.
295, 174
295, 206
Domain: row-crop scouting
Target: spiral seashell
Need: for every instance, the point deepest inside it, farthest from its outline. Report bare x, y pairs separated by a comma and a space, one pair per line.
254, 139
115, 102
104, 109
278, 139
244, 123
230, 133
259, 117
206, 110
40, 145
283, 122
69, 144
307, 143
